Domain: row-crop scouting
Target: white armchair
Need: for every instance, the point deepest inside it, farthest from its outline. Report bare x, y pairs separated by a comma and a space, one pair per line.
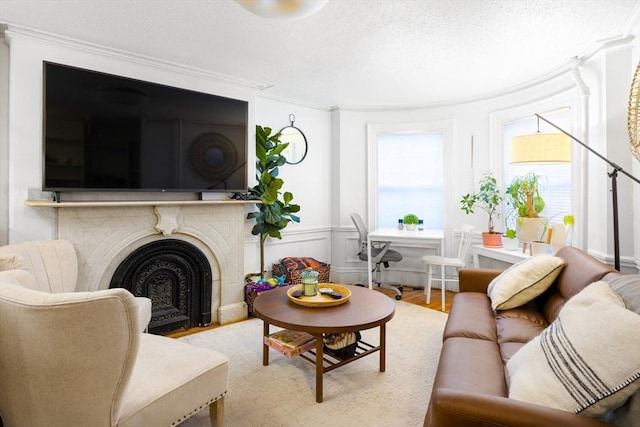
79, 358
53, 264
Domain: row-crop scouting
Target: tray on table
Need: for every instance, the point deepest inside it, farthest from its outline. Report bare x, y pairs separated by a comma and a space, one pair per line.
320, 300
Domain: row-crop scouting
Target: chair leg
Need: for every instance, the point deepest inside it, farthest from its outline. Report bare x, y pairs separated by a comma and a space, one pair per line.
216, 413
428, 289
378, 280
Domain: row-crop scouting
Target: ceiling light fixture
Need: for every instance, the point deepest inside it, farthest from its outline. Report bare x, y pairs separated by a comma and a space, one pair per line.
283, 9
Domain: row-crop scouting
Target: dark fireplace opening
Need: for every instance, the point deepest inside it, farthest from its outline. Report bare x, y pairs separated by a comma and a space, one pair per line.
176, 276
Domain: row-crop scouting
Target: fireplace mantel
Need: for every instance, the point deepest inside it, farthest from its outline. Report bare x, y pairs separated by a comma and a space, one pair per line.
105, 232
120, 203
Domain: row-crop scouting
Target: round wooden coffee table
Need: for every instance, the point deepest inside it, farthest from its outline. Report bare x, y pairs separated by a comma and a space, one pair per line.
365, 309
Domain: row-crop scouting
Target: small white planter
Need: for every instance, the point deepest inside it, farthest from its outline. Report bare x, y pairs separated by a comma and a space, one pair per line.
509, 244
540, 248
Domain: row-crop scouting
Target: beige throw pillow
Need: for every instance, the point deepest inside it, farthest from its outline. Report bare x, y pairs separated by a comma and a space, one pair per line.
586, 362
524, 281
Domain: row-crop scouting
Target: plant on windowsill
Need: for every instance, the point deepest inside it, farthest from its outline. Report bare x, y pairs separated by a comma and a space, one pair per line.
410, 221
524, 200
509, 239
553, 237
275, 211
488, 198
523, 195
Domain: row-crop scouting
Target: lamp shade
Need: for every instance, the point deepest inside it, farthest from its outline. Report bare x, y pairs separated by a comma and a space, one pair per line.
283, 9
540, 148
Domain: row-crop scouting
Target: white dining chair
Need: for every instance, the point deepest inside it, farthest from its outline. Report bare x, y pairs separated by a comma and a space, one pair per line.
439, 261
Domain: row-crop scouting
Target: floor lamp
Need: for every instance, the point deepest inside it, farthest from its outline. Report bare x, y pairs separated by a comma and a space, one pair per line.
556, 148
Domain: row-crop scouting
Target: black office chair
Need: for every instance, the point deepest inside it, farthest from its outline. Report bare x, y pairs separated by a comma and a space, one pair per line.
380, 254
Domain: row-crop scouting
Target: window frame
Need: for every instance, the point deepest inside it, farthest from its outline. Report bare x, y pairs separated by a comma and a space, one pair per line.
375, 130
497, 121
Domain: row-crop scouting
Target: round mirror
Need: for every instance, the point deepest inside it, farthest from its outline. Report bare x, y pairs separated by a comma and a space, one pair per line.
297, 149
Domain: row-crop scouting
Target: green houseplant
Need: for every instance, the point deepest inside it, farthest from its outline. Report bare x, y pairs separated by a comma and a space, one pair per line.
523, 200
523, 195
275, 210
488, 198
410, 221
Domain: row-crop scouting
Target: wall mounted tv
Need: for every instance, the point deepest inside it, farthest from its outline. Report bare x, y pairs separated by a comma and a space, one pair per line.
108, 133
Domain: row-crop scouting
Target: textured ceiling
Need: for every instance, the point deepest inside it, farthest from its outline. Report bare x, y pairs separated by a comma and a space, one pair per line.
352, 52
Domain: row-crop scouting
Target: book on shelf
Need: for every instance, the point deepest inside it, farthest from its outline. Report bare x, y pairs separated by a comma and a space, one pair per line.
290, 343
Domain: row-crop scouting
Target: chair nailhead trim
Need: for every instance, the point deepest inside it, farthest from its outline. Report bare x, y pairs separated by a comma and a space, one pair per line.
190, 414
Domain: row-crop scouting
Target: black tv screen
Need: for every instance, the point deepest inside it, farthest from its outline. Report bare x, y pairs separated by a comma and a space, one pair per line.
105, 132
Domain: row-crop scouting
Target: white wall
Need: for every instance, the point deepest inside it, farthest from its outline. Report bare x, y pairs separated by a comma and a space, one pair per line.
607, 130
309, 182
331, 182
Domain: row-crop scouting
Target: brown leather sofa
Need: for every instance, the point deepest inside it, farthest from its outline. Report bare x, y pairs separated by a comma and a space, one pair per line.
470, 388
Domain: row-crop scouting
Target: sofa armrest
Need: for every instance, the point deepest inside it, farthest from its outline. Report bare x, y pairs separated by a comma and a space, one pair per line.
453, 408
476, 279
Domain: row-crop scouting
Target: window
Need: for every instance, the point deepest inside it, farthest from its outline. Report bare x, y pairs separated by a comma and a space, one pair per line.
557, 186
410, 177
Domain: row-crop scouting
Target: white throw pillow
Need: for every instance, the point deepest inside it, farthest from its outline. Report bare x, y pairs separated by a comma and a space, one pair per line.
587, 361
524, 281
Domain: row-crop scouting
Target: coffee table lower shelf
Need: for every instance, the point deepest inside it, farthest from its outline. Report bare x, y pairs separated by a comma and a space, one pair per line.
331, 362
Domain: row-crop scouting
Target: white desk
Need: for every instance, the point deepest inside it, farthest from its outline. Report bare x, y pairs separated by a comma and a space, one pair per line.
510, 257
393, 235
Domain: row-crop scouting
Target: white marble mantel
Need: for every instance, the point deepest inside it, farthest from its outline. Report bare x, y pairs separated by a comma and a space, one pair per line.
104, 233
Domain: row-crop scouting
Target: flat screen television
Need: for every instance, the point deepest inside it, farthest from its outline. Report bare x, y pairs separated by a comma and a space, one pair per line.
108, 133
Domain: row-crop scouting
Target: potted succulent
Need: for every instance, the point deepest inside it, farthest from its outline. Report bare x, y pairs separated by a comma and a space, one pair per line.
488, 198
410, 221
275, 210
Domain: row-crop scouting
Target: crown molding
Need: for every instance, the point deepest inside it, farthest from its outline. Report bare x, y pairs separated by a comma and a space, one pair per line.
12, 31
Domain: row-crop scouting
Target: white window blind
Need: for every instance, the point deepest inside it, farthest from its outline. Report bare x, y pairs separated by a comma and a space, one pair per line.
410, 178
556, 190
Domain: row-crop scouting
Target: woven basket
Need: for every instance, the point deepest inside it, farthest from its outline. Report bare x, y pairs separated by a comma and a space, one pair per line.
343, 348
250, 296
293, 277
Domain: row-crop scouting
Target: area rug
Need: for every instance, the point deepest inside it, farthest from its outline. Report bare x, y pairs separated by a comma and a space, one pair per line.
358, 394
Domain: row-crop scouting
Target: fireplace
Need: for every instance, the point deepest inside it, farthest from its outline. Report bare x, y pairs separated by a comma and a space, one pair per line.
176, 276
187, 256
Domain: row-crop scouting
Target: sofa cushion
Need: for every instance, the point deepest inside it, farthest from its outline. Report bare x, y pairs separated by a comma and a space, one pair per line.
586, 370
627, 287
524, 281
519, 325
471, 365
471, 317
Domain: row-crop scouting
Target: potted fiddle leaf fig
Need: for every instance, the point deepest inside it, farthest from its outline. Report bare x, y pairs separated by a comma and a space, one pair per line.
275, 210
489, 199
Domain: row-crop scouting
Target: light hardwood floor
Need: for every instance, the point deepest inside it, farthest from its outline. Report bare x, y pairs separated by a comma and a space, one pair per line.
417, 297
